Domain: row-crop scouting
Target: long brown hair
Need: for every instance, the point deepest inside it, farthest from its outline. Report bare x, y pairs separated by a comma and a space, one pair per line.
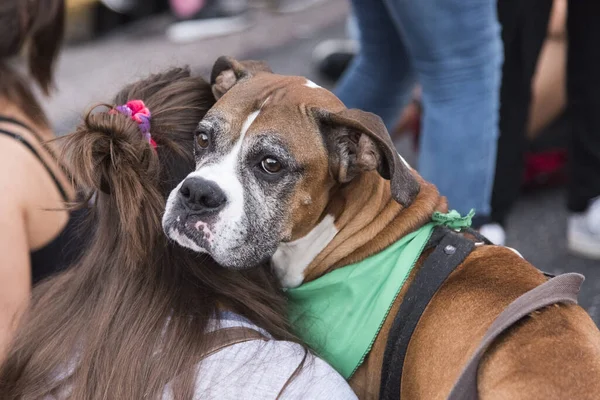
38, 27
132, 314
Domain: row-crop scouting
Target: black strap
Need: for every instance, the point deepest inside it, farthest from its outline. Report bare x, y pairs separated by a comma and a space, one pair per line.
42, 142
13, 121
450, 251
21, 124
21, 139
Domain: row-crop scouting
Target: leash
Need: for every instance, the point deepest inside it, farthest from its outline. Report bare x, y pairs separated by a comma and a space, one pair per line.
561, 289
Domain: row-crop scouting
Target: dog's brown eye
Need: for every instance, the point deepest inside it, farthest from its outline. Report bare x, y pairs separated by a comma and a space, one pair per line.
203, 140
270, 165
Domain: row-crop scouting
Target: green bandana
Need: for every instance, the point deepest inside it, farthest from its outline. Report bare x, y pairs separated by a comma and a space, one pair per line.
340, 314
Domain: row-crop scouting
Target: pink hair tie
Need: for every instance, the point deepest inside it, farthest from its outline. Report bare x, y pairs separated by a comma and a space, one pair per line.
138, 112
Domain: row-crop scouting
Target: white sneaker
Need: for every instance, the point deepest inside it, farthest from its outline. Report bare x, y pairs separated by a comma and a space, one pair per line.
583, 232
199, 29
494, 232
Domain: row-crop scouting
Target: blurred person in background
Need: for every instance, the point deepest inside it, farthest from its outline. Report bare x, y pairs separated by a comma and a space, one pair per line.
523, 37
525, 30
524, 27
37, 234
200, 19
453, 49
195, 19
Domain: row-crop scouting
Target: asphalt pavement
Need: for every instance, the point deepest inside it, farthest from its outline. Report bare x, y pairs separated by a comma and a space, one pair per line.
94, 71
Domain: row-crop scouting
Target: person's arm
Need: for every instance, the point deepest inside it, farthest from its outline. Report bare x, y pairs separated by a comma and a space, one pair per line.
15, 270
548, 86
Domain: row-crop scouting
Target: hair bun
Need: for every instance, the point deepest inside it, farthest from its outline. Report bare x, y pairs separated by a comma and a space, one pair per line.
109, 148
108, 155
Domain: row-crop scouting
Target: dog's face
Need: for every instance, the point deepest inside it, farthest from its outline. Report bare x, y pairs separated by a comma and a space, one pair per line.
267, 155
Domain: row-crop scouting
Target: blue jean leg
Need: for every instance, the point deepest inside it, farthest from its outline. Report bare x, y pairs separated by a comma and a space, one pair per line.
352, 27
380, 77
456, 50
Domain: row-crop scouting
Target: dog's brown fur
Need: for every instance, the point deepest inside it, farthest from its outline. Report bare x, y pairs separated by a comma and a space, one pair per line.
552, 354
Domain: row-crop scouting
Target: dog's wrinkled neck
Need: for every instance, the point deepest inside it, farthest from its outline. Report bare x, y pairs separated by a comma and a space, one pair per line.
367, 220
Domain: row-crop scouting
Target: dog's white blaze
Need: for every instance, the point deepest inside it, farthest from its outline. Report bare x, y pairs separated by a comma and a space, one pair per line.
224, 173
185, 241
311, 84
291, 259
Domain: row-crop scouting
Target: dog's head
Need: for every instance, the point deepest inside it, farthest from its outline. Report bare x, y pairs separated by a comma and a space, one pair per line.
267, 155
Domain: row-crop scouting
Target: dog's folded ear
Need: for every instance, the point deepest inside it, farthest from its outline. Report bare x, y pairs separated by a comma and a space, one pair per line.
227, 71
358, 141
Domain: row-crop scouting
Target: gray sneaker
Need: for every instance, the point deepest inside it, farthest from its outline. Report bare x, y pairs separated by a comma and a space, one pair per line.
583, 232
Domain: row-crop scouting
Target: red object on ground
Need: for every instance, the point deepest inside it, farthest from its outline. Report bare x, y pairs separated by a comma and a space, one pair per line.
545, 169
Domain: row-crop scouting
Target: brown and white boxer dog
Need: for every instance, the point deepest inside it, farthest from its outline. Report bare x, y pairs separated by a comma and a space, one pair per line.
284, 171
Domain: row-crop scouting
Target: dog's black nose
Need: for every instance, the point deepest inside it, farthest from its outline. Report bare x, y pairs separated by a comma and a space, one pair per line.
200, 194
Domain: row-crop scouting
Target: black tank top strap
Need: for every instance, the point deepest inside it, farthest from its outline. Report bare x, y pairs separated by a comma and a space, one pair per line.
42, 142
21, 139
22, 124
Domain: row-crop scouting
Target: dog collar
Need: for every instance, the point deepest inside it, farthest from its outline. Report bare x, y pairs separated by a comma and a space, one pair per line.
340, 314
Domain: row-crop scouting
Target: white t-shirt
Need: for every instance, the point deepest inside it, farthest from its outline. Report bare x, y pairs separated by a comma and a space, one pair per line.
258, 369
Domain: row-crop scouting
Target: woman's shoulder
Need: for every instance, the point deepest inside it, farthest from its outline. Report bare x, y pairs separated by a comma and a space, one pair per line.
15, 160
260, 369
17, 181
22, 171
27, 153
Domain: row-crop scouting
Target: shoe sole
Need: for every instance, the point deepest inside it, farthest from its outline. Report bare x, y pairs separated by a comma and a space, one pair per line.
331, 46
582, 246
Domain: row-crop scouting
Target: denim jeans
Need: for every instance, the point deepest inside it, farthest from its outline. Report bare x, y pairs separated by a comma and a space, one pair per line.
454, 50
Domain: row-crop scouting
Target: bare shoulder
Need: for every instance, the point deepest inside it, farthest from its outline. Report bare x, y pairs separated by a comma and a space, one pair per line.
16, 166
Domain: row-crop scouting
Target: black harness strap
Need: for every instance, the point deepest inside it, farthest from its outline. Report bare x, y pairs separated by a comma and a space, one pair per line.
451, 249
